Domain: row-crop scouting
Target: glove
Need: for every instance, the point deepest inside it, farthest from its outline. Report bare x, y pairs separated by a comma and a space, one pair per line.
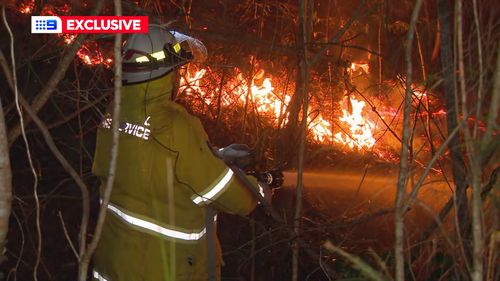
266, 192
273, 178
237, 154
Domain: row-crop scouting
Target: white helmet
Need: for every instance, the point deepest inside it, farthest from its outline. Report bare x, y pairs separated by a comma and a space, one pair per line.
157, 53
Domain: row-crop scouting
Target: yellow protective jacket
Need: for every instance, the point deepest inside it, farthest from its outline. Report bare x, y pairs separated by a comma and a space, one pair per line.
166, 177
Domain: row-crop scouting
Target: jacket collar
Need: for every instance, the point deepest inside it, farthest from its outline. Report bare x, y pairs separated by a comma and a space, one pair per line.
148, 96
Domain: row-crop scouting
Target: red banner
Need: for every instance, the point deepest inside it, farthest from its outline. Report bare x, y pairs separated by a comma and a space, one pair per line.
104, 24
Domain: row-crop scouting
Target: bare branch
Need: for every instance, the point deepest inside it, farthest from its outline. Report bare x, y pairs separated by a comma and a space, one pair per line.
62, 160
87, 254
403, 172
67, 236
492, 124
28, 152
339, 33
472, 156
480, 60
56, 77
304, 88
439, 152
368, 271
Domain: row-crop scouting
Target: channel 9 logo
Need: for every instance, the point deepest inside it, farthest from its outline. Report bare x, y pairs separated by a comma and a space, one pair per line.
46, 24
89, 24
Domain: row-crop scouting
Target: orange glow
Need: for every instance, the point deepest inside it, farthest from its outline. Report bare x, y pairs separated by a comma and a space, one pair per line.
419, 93
263, 98
26, 8
68, 38
190, 83
359, 129
360, 66
266, 97
90, 55
358, 132
321, 129
441, 112
89, 52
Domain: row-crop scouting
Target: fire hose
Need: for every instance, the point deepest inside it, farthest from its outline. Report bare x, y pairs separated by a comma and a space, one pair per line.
274, 178
240, 158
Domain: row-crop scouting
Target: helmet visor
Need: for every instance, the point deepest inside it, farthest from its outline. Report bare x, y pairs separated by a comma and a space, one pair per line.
191, 45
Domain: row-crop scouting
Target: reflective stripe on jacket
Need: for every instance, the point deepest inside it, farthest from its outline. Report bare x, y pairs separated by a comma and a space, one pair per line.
166, 175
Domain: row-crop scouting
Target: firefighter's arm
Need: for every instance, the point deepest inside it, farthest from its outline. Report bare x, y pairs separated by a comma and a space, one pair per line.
212, 181
239, 157
227, 192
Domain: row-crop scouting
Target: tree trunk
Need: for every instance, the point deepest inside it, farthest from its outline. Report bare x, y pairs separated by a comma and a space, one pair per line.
5, 184
290, 138
449, 87
303, 89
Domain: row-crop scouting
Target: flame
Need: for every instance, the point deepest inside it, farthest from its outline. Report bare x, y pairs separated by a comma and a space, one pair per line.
359, 132
360, 66
26, 8
264, 98
419, 93
68, 38
90, 54
190, 83
259, 94
321, 129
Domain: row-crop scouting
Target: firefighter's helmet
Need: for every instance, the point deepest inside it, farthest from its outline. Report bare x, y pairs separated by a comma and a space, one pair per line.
157, 53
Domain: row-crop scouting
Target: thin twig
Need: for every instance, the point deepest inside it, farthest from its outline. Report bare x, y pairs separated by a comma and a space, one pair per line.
368, 271
60, 157
381, 263
20, 256
28, 152
494, 239
481, 70
361, 7
320, 261
67, 236
492, 124
437, 221
403, 172
55, 78
84, 263
428, 168
304, 73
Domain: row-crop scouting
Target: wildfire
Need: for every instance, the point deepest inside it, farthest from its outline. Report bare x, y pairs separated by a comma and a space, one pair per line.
68, 38
360, 66
360, 129
90, 54
321, 129
190, 84
261, 94
263, 98
357, 131
26, 8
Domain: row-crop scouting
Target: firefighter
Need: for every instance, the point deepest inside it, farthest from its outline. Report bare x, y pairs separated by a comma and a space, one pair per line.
169, 183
